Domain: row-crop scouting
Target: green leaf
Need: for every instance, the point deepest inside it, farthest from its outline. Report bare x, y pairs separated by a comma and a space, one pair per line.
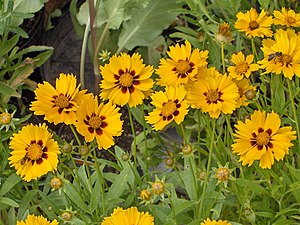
25, 203
9, 183
7, 91
8, 202
8, 45
75, 196
147, 24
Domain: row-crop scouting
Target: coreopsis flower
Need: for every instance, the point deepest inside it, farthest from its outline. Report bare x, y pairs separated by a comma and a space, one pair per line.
244, 87
286, 17
261, 138
224, 34
169, 105
254, 24
282, 55
36, 220
243, 66
202, 73
126, 80
215, 222
214, 95
181, 66
58, 104
34, 152
101, 122
128, 217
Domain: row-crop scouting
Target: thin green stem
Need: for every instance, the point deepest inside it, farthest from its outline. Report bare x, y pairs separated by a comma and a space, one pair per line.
223, 57
134, 135
83, 53
195, 186
75, 134
183, 134
145, 138
208, 166
199, 137
294, 110
254, 50
101, 179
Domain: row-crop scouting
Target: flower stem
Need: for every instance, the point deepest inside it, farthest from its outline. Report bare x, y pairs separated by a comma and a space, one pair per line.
183, 134
294, 109
134, 135
208, 166
145, 137
254, 49
75, 134
101, 179
223, 57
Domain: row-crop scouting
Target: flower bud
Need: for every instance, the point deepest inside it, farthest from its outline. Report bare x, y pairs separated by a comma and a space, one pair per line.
202, 175
5, 118
67, 148
66, 216
158, 187
125, 157
56, 183
145, 194
84, 150
222, 174
187, 149
250, 94
169, 162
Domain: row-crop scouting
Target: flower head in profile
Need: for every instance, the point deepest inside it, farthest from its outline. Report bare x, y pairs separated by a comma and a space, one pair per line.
286, 17
261, 138
254, 24
34, 152
243, 66
169, 105
58, 104
215, 222
126, 80
214, 95
128, 217
282, 55
181, 66
224, 34
36, 220
101, 122
245, 88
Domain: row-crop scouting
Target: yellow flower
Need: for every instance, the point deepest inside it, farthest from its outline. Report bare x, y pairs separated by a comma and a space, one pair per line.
126, 80
128, 217
170, 105
254, 24
282, 55
286, 17
98, 121
182, 66
244, 86
36, 220
58, 104
262, 138
243, 67
34, 152
214, 222
214, 95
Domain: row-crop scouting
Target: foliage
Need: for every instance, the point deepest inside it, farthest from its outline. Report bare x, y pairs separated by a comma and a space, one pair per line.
173, 174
